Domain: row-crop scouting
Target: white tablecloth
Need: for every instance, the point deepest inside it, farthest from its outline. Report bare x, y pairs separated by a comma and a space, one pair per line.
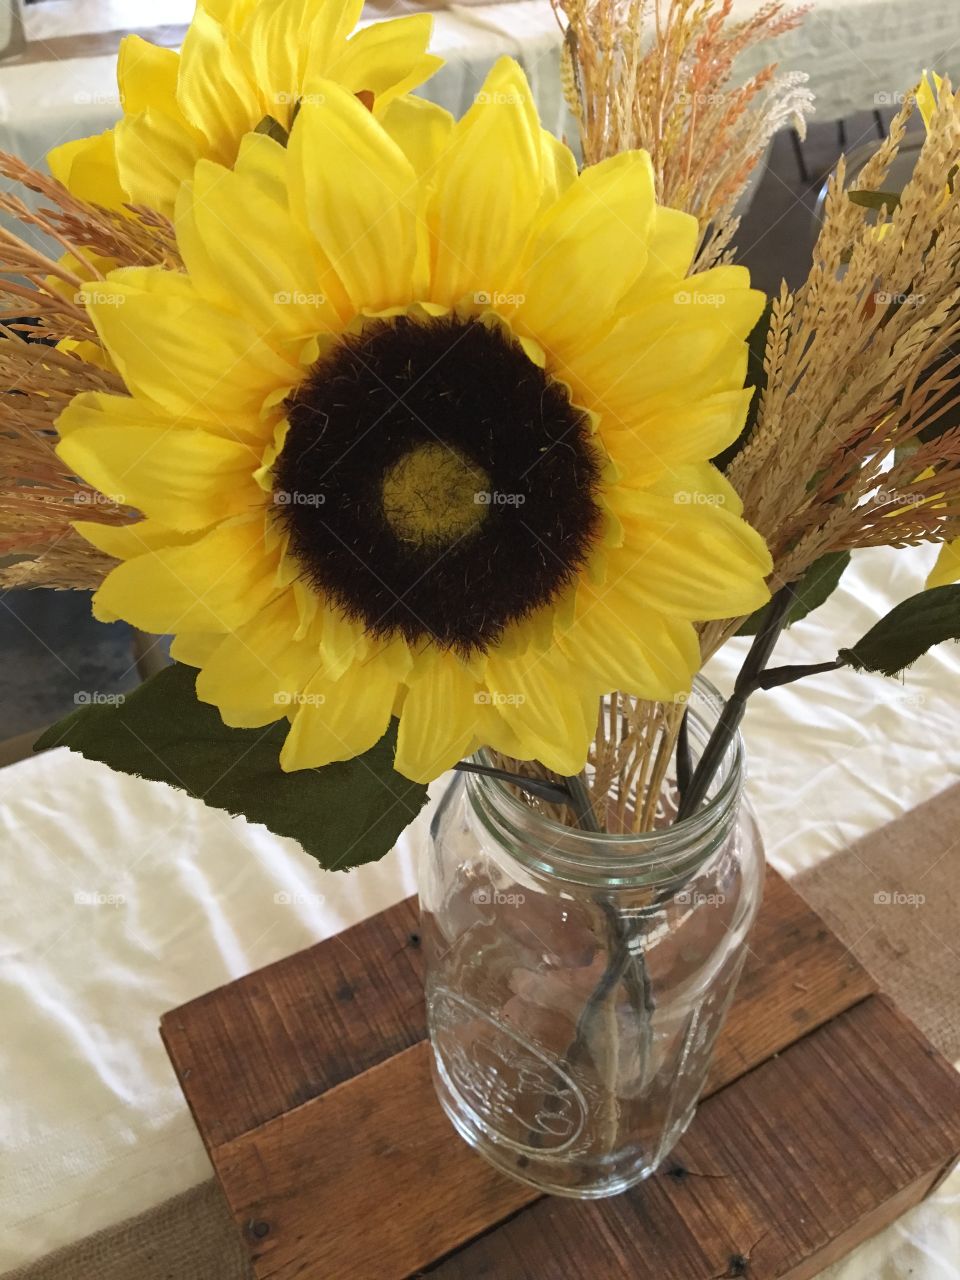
120, 899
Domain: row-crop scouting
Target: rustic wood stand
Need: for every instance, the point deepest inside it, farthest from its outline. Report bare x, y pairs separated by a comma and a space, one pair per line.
827, 1115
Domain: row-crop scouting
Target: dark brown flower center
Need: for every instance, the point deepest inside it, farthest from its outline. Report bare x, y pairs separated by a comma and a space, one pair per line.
436, 482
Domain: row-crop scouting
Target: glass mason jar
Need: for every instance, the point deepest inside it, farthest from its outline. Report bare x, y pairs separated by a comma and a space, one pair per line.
576, 982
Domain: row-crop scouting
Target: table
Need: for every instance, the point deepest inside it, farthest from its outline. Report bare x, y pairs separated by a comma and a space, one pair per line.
346, 1073
120, 900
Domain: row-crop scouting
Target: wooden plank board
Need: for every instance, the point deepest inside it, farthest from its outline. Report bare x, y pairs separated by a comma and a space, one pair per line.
380, 1147
787, 1169
791, 1165
296, 1028
309, 1082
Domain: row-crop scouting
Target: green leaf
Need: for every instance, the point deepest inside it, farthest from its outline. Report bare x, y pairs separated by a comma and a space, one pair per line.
344, 814
907, 632
875, 199
809, 593
757, 378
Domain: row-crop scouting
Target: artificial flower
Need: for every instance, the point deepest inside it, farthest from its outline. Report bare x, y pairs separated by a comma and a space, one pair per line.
927, 94
422, 431
947, 568
244, 64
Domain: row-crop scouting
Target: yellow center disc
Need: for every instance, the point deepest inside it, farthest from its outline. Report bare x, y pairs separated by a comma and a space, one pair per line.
434, 495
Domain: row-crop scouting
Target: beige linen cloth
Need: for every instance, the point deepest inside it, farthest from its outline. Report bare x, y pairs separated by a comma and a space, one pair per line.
892, 898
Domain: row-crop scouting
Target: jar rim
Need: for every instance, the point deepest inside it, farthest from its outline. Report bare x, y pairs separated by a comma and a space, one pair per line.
626, 857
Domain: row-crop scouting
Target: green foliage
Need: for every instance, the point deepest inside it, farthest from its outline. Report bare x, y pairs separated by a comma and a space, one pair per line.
888, 200
907, 632
809, 593
343, 815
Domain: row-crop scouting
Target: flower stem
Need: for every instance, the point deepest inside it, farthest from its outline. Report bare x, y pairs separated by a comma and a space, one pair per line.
539, 787
578, 798
726, 727
625, 963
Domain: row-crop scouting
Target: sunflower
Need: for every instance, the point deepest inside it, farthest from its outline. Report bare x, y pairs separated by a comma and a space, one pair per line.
947, 568
244, 64
422, 432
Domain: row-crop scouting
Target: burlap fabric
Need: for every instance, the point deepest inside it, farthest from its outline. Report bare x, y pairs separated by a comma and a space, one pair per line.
893, 898
191, 1237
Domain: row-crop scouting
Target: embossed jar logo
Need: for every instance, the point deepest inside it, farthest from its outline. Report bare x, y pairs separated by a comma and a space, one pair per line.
509, 1086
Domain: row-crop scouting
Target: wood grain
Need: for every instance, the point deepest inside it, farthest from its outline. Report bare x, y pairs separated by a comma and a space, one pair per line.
814, 976
787, 1169
309, 1082
289, 1032
379, 1147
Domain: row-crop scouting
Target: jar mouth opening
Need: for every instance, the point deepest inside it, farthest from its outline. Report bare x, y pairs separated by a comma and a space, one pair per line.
623, 853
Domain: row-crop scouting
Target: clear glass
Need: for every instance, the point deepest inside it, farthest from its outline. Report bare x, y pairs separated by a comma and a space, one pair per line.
576, 982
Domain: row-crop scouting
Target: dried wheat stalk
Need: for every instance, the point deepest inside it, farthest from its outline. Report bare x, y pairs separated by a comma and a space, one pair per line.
659, 74
48, 353
861, 367
855, 442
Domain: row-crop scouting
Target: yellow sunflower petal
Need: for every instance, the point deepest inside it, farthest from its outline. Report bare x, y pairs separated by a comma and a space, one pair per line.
670, 431
340, 719
947, 568
213, 584
232, 13
559, 168
696, 484
360, 202
124, 541
487, 189
673, 242
662, 347
88, 169
722, 293
690, 560
283, 38
242, 249
318, 30
88, 352
186, 479
194, 647
146, 74
101, 407
928, 96
439, 719
182, 353
216, 88
386, 59
342, 643
587, 249
631, 647
256, 673
155, 153
552, 715
420, 129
